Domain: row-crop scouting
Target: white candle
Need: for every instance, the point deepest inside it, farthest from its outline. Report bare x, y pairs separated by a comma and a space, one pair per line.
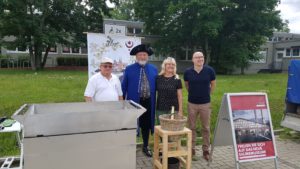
172, 112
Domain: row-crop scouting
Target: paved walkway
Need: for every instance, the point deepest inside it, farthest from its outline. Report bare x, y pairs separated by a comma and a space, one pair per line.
223, 158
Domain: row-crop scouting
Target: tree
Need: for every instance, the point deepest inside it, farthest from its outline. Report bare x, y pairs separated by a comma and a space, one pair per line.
230, 32
124, 10
246, 24
285, 27
182, 24
39, 25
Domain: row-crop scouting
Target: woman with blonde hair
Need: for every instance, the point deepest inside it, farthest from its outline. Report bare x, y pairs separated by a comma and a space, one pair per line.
169, 89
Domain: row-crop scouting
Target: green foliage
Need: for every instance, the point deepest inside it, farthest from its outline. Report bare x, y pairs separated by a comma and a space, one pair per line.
285, 27
229, 32
42, 24
181, 23
123, 11
290, 134
72, 61
246, 26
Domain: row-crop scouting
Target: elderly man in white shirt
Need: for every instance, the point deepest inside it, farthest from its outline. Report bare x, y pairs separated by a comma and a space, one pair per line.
104, 86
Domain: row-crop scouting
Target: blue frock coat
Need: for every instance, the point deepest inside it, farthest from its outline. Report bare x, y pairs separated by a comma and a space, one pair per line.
130, 86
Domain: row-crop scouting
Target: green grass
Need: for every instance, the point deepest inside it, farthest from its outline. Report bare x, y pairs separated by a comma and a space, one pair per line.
18, 87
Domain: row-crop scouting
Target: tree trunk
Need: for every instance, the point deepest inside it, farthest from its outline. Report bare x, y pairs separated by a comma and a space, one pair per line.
35, 53
207, 51
242, 70
32, 58
45, 57
38, 56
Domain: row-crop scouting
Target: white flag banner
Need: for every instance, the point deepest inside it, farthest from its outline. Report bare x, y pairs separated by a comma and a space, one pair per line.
115, 47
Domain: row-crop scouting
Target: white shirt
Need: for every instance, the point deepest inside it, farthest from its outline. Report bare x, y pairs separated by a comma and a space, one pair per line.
102, 89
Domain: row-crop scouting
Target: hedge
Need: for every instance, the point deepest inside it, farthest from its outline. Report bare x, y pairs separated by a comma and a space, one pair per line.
72, 61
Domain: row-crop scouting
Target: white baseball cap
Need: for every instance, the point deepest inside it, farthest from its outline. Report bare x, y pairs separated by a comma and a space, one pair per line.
106, 60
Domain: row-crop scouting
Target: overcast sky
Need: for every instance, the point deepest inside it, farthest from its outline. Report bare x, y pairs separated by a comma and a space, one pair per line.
290, 10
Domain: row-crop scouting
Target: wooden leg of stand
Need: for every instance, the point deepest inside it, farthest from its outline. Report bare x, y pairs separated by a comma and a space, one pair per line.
189, 148
165, 152
156, 150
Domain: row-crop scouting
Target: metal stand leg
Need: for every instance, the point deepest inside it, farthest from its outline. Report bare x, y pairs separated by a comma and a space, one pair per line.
276, 162
237, 165
18, 139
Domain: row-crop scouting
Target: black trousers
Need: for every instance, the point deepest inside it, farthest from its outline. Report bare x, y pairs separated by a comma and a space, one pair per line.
145, 120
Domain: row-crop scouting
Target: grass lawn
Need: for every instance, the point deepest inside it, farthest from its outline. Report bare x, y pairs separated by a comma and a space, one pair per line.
18, 87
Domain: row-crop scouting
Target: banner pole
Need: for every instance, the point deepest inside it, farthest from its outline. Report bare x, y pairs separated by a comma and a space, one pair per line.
216, 128
276, 162
237, 165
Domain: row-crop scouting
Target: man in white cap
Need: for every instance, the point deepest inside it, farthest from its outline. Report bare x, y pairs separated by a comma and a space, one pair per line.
104, 86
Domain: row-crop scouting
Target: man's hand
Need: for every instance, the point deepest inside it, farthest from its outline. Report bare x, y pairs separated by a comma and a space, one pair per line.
180, 113
212, 86
186, 83
88, 99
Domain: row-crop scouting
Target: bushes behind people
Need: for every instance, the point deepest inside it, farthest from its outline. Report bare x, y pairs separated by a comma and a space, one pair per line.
72, 61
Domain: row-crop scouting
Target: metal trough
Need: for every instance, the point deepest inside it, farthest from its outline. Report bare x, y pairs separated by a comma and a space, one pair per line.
80, 135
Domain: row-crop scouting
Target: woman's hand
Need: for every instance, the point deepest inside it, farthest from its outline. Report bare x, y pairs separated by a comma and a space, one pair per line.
180, 113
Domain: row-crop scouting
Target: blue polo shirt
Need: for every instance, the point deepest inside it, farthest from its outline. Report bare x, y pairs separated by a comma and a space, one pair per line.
199, 84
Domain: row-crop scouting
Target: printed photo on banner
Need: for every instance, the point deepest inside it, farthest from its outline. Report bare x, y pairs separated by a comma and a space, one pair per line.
252, 127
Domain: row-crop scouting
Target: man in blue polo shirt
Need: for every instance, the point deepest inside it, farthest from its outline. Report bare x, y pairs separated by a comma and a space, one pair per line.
200, 82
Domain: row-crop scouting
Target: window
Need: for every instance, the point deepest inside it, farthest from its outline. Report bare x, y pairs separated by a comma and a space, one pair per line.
75, 50
138, 31
295, 51
288, 52
83, 50
21, 48
270, 39
53, 49
279, 56
66, 49
18, 49
130, 30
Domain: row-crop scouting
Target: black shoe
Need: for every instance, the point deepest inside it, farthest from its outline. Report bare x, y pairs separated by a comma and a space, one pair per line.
206, 155
147, 152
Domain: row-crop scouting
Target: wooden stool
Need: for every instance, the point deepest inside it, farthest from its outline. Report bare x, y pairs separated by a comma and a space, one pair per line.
171, 149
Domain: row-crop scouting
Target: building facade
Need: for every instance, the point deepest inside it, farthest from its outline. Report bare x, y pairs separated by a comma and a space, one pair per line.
276, 53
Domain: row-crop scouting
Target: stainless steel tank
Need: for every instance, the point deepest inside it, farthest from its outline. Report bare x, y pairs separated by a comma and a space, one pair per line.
80, 135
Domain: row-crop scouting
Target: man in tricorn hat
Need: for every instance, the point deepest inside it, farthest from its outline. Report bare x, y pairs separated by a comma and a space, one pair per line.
139, 85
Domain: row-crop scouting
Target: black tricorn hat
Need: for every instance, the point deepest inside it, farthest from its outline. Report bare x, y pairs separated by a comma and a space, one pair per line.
141, 48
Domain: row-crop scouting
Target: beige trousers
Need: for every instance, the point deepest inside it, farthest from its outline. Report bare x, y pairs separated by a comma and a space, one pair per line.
204, 111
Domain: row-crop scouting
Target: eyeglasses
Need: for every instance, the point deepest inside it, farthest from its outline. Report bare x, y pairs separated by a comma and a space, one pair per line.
107, 66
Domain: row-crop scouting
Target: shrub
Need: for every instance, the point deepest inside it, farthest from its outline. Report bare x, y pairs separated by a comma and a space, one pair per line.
72, 61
